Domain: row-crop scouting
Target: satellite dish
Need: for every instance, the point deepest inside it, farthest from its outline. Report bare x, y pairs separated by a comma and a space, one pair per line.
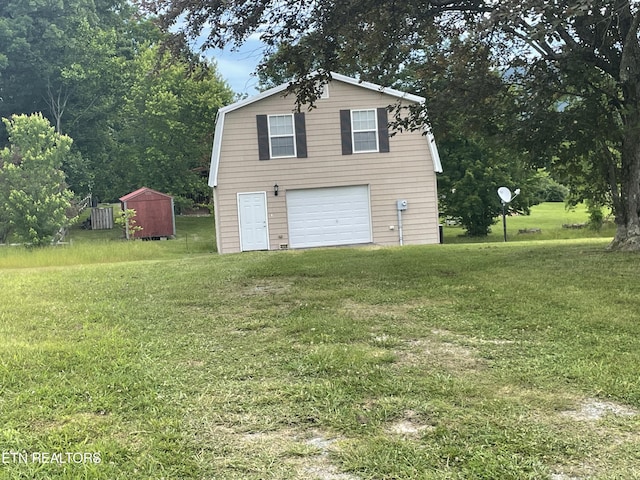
505, 194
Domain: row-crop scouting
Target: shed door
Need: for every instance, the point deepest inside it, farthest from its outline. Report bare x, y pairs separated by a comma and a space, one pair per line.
329, 216
252, 218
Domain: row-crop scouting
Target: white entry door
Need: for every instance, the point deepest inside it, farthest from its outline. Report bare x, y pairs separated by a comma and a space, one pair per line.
252, 217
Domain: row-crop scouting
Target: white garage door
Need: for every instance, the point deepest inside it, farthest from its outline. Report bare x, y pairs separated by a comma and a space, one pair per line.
329, 216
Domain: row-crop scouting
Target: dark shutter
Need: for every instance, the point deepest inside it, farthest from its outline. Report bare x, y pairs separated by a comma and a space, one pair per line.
383, 131
263, 137
345, 132
301, 134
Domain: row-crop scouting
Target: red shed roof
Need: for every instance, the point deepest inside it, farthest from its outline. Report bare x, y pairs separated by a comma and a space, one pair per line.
142, 191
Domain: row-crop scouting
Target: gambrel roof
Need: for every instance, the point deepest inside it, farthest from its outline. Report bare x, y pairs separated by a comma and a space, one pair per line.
220, 118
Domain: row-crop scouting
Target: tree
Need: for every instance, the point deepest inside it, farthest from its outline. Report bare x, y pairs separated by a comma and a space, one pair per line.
472, 109
468, 187
587, 139
586, 50
34, 199
50, 50
68, 61
93, 68
166, 124
470, 106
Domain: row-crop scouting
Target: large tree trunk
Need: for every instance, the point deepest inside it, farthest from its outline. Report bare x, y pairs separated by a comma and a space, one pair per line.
627, 219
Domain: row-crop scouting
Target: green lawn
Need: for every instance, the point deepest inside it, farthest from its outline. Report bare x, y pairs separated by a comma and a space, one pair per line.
549, 218
193, 235
468, 361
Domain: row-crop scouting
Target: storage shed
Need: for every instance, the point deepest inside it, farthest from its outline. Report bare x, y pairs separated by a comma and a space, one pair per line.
154, 213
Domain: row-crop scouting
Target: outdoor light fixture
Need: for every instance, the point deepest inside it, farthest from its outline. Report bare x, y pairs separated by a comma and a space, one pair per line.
506, 196
275, 189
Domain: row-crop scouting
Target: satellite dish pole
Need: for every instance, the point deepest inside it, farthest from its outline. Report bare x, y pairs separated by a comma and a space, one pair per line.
505, 196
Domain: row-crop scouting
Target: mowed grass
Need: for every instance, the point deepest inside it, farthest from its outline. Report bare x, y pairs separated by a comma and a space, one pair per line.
549, 218
495, 361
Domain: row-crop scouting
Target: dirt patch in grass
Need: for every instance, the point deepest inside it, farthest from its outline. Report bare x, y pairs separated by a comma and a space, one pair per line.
435, 353
605, 427
593, 410
390, 311
326, 472
562, 476
409, 426
451, 351
609, 433
597, 438
319, 467
305, 454
265, 287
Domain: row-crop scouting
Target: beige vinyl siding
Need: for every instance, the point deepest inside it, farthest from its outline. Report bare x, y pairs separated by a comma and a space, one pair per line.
404, 173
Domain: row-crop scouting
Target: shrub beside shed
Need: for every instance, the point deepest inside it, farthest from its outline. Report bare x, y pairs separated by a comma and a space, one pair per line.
154, 213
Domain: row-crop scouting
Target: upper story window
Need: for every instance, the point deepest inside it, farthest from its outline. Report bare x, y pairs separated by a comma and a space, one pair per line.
281, 136
364, 128
364, 131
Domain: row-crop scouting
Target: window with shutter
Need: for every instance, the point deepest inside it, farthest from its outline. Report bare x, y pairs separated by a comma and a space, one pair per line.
364, 131
281, 136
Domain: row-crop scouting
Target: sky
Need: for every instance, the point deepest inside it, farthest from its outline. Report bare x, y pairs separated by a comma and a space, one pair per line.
238, 68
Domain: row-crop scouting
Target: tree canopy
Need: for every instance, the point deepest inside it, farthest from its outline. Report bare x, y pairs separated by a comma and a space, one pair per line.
574, 63
93, 69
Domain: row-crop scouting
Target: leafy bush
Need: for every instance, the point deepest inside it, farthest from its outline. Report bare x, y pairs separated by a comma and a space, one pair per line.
34, 197
548, 190
596, 216
126, 219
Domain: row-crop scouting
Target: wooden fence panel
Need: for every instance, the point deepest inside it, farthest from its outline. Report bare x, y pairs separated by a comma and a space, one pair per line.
102, 218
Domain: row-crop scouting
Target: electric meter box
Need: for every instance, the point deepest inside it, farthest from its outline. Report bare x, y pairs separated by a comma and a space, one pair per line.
402, 204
